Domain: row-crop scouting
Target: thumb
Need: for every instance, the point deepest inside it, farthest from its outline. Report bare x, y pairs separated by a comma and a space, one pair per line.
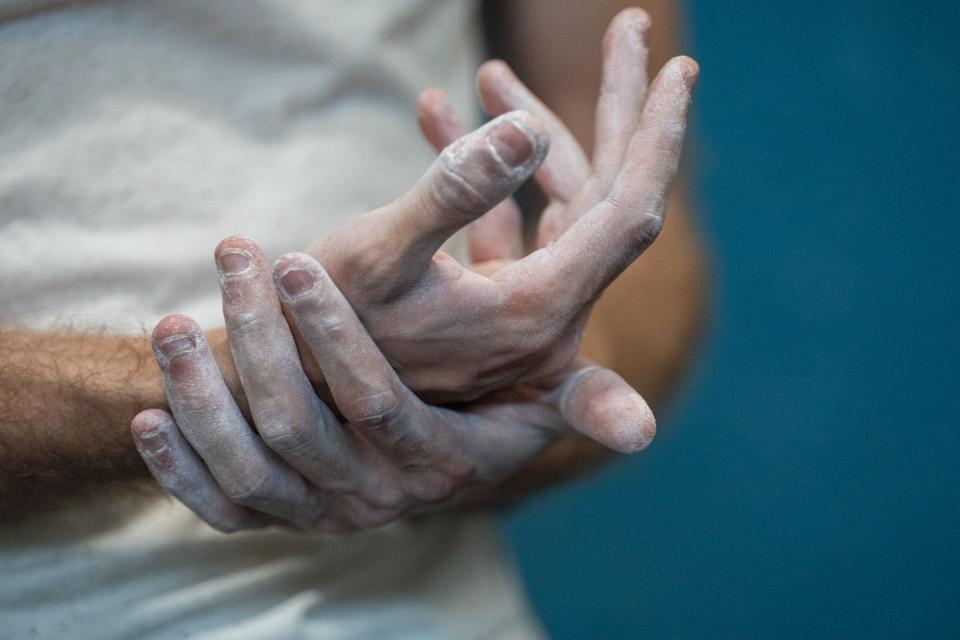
470, 176
599, 404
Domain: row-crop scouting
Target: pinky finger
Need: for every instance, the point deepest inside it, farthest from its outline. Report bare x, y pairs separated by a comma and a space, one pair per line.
179, 470
496, 235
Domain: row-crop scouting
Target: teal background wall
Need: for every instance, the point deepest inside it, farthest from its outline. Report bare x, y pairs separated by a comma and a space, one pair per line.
806, 482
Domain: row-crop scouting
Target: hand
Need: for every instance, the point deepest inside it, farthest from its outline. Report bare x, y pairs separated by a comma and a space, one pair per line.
456, 334
301, 465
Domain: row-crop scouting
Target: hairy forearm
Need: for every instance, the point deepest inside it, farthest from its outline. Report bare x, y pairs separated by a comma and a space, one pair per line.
66, 402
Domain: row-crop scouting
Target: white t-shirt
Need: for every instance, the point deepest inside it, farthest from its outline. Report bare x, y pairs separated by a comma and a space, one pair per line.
135, 135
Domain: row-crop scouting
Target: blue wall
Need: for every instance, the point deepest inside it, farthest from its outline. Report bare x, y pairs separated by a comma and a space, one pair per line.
807, 481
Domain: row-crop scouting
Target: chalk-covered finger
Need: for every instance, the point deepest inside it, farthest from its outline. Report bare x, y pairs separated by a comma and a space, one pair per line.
179, 470
614, 232
599, 404
623, 90
286, 411
497, 234
208, 416
366, 389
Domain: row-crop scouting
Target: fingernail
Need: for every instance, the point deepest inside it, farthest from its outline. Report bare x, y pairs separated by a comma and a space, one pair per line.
151, 442
233, 262
511, 144
177, 345
296, 281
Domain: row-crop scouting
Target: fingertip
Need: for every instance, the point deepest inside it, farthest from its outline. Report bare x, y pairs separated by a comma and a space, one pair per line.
631, 18
244, 243
294, 260
628, 35
296, 275
237, 258
151, 431
432, 100
494, 70
175, 336
602, 406
497, 86
687, 67
172, 326
436, 118
150, 422
633, 436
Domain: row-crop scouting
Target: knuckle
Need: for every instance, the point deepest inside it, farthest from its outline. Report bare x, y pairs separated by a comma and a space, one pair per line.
242, 319
432, 487
646, 214
252, 488
329, 326
412, 450
650, 224
374, 411
460, 473
287, 436
452, 190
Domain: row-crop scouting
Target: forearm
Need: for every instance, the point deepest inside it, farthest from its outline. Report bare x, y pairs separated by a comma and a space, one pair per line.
66, 402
